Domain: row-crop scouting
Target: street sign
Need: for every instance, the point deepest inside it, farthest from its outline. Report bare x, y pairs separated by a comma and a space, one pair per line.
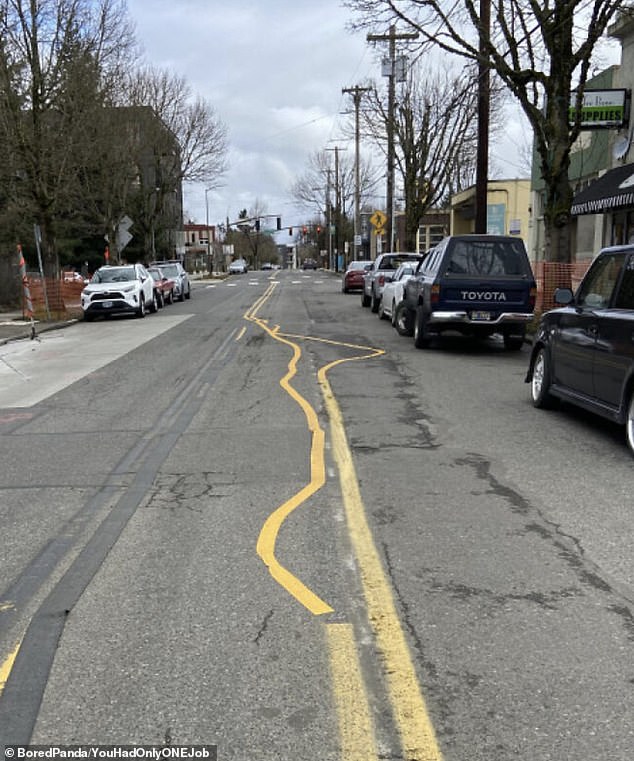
378, 220
123, 234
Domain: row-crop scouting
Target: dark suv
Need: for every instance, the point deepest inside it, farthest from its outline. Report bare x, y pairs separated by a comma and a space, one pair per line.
583, 352
477, 285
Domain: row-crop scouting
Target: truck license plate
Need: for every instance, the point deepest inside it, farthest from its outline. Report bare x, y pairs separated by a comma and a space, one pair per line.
107, 304
481, 316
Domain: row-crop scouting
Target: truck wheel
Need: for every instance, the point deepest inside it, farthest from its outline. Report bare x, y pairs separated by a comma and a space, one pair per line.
403, 320
365, 300
514, 341
374, 303
422, 339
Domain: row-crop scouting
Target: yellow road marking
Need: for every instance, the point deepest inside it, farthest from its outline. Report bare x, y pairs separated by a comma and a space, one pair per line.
5, 668
243, 330
418, 738
265, 546
356, 730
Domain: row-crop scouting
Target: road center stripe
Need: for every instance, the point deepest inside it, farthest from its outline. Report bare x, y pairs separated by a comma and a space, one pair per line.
418, 738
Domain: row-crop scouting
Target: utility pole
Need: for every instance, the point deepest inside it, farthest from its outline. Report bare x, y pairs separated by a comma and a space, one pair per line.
337, 207
329, 219
356, 97
484, 98
391, 37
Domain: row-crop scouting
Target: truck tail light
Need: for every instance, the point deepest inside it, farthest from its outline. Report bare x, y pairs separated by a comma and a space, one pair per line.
435, 294
532, 296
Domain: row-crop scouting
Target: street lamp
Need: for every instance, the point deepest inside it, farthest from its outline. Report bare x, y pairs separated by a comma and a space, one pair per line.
207, 226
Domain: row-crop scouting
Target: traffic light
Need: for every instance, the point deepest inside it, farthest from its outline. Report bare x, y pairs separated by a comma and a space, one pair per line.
257, 225
304, 230
279, 223
318, 229
290, 230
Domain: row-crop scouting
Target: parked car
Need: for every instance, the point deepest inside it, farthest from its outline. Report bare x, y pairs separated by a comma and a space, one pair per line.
123, 289
374, 278
583, 352
175, 270
393, 289
352, 279
163, 286
477, 285
73, 277
267, 266
309, 264
239, 267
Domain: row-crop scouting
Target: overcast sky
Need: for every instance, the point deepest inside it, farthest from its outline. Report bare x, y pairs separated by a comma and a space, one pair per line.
273, 70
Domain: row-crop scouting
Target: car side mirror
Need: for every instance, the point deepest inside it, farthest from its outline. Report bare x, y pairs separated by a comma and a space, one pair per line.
563, 296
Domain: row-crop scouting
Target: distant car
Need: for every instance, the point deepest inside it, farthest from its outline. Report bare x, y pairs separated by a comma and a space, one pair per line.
393, 290
163, 286
238, 267
122, 289
309, 264
267, 266
352, 279
73, 277
583, 352
173, 269
374, 278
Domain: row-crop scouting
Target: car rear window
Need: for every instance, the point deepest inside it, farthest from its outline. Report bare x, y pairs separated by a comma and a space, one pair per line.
490, 258
394, 262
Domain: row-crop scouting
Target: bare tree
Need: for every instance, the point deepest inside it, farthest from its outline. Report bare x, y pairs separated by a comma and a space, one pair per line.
57, 61
188, 142
542, 52
435, 131
249, 240
319, 182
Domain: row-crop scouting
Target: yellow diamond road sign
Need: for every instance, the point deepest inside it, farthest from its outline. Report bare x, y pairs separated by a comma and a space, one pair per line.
378, 220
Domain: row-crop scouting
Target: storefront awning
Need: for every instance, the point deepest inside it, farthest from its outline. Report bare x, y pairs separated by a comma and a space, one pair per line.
611, 192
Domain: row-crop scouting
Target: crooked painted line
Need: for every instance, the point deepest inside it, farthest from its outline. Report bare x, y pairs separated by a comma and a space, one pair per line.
267, 538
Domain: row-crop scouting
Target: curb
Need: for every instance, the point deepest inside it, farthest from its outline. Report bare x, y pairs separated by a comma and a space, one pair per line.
23, 332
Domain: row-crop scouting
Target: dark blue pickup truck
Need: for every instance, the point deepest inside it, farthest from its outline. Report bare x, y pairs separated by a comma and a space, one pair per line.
477, 285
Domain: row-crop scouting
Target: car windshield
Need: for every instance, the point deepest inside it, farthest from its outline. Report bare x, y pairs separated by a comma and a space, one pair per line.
357, 265
170, 270
487, 258
114, 275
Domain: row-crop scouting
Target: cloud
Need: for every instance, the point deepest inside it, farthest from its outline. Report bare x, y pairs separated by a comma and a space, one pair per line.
273, 72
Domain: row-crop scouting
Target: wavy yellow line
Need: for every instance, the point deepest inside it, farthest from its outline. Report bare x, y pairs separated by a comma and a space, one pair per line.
265, 546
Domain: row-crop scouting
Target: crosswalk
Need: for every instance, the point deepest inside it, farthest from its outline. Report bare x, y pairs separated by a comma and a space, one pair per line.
230, 283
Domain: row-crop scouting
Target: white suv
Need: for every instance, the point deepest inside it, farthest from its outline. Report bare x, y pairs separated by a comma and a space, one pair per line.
121, 289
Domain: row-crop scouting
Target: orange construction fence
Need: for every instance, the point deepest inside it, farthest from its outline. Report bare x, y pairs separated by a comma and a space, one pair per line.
552, 275
63, 299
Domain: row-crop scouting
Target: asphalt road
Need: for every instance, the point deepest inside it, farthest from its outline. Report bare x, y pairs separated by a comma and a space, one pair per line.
262, 520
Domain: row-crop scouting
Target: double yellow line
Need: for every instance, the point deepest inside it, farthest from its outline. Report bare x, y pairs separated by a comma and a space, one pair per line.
418, 739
